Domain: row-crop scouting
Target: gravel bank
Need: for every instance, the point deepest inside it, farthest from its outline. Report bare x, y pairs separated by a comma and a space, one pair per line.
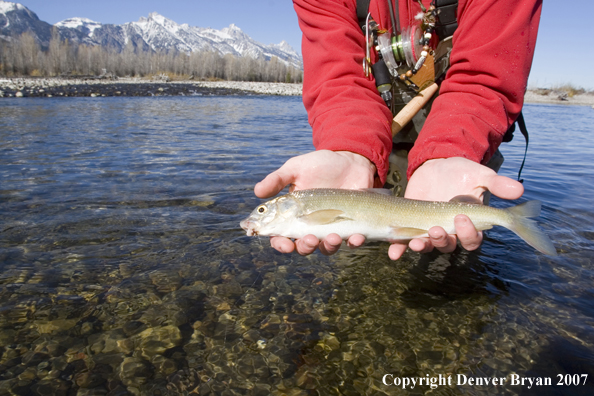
257, 87
559, 97
56, 87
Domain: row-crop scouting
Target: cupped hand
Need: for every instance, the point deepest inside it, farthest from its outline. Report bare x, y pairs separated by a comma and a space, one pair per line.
318, 169
441, 180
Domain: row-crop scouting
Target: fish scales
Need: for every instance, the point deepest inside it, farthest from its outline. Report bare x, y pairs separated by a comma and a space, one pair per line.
383, 217
390, 210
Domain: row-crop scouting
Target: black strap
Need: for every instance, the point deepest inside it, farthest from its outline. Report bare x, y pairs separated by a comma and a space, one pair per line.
509, 135
362, 11
524, 131
447, 20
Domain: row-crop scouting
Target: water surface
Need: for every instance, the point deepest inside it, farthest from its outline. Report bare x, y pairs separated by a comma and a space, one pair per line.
123, 269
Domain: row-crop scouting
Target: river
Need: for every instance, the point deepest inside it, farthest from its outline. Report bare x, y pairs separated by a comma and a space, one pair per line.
123, 269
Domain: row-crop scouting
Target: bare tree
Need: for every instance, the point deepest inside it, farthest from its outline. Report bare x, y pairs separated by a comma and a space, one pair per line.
23, 56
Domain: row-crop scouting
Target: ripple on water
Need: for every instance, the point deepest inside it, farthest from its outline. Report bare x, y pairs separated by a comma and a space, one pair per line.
123, 269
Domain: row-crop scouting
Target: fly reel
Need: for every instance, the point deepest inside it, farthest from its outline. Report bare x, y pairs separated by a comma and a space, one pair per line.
405, 48
406, 57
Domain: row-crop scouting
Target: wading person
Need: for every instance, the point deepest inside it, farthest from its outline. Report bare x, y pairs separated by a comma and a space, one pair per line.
478, 52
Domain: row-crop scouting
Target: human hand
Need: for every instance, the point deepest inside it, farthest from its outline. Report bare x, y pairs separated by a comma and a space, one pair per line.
318, 169
441, 180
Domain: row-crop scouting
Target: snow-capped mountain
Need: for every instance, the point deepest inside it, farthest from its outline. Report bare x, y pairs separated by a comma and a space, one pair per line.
154, 32
78, 23
15, 19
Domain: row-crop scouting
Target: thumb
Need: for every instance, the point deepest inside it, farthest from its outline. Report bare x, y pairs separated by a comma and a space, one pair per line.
273, 183
505, 188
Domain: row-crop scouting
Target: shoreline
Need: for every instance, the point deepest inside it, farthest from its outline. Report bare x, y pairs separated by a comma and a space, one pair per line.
82, 87
558, 98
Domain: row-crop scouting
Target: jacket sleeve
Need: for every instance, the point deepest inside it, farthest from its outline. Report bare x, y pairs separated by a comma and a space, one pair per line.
344, 109
483, 92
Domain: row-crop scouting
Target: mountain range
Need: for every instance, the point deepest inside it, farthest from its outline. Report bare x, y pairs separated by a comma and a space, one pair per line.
154, 32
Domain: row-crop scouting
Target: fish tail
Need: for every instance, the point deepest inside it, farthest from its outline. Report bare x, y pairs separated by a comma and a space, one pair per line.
527, 229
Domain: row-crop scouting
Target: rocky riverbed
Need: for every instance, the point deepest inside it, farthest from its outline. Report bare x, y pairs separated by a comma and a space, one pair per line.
79, 87
554, 96
62, 87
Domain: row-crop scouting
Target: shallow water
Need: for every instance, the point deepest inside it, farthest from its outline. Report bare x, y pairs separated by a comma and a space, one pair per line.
123, 268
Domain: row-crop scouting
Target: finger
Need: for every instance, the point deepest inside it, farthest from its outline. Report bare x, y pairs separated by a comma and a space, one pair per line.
307, 245
470, 238
421, 245
282, 244
355, 241
274, 183
505, 188
440, 239
330, 244
396, 251
270, 186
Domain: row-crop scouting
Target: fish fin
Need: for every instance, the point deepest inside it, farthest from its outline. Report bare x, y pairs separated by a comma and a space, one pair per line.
383, 191
526, 209
528, 230
407, 232
467, 199
325, 216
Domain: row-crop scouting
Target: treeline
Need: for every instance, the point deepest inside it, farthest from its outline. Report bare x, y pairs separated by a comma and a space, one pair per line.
24, 57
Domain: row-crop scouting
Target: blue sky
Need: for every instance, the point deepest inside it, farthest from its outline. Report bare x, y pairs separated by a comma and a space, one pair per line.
563, 52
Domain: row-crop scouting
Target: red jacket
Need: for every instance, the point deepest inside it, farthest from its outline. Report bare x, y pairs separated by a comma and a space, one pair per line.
480, 98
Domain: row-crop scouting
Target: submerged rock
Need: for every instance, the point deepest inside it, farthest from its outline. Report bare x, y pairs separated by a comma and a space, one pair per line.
134, 372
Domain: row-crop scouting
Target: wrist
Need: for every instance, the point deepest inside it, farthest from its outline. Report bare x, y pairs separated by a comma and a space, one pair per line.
359, 161
358, 171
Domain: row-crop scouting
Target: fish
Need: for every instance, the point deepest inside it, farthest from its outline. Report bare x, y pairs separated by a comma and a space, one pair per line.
380, 216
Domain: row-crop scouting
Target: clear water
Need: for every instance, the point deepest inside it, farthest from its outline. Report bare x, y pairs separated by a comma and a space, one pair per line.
123, 269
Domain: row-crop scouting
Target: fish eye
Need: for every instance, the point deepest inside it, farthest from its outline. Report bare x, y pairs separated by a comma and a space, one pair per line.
262, 209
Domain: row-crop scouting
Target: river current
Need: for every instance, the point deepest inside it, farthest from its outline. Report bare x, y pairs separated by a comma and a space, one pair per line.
123, 269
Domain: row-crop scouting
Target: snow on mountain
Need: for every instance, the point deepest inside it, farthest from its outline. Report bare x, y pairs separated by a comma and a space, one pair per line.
6, 6
15, 19
284, 47
79, 23
154, 32
159, 32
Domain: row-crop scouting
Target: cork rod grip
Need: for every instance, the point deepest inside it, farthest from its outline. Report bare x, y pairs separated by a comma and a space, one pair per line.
412, 108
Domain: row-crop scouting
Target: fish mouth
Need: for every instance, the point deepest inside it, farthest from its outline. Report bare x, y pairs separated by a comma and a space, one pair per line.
249, 226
